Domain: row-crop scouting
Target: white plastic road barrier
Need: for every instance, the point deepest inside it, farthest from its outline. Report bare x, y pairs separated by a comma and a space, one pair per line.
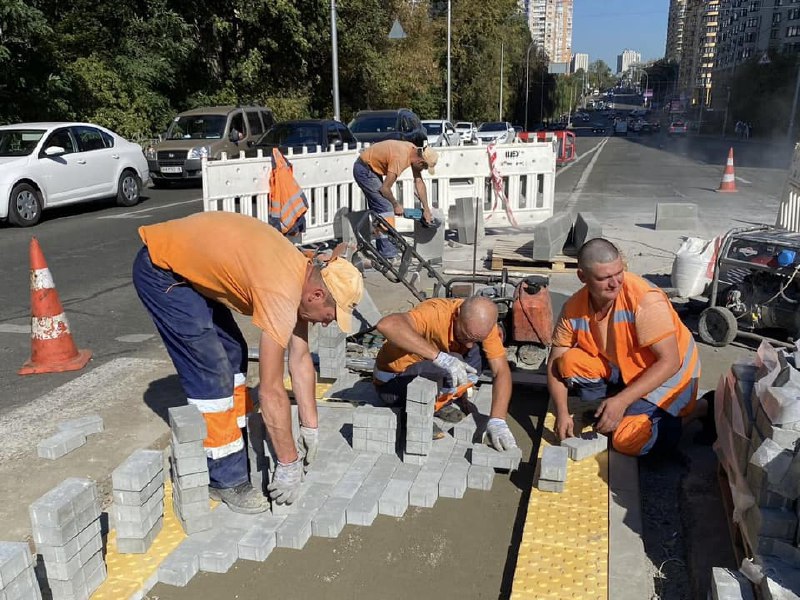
528, 171
789, 209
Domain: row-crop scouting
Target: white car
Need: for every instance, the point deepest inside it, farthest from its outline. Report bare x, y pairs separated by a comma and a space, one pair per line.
441, 133
498, 131
468, 132
51, 164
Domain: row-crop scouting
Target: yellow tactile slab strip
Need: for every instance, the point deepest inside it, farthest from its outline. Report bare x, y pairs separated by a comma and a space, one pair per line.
564, 548
130, 574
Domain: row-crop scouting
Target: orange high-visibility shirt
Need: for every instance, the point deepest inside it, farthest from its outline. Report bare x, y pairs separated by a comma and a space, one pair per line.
389, 156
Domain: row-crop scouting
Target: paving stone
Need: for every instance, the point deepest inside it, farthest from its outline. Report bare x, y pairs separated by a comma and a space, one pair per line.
193, 449
137, 470
60, 444
730, 585
191, 481
86, 425
781, 405
550, 235
191, 495
23, 587
61, 505
192, 525
420, 434
59, 536
15, 557
221, 552
295, 531
355, 475
553, 463
187, 423
483, 455
429, 241
585, 445
179, 567
331, 518
421, 391
379, 434
66, 551
257, 543
425, 489
139, 545
453, 483
480, 478
586, 228
192, 509
422, 447
140, 528
126, 497
83, 584
414, 459
128, 512
189, 465
66, 570
363, 507
773, 460
676, 216
550, 486
465, 429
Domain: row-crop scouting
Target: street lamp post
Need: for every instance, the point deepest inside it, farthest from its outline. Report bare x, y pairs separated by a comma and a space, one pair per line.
449, 14
335, 63
500, 107
790, 133
527, 80
730, 82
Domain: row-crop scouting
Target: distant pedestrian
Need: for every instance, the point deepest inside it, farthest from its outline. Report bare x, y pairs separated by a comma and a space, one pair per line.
747, 130
739, 129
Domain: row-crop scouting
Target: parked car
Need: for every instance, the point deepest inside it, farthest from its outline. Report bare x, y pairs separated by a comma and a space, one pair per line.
304, 135
399, 124
468, 132
621, 127
441, 133
598, 127
52, 164
496, 131
204, 132
678, 127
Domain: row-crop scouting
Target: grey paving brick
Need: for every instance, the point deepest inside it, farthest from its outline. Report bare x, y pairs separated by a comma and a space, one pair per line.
83, 584
355, 475
329, 469
550, 235
394, 499
125, 497
421, 447
550, 486
193, 449
191, 481
193, 509
139, 545
421, 390
57, 571
295, 531
465, 429
140, 528
187, 423
191, 495
480, 478
781, 405
420, 434
15, 557
86, 425
60, 444
485, 456
221, 552
192, 525
379, 434
773, 460
730, 585
380, 447
127, 512
363, 507
425, 489
61, 505
314, 497
677, 216
331, 518
257, 543
453, 483
553, 463
22, 587
179, 567
420, 411
59, 536
586, 227
66, 551
585, 445
414, 459
137, 470
190, 465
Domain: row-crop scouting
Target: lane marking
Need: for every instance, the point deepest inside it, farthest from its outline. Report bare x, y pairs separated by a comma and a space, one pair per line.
573, 197
9, 328
134, 214
581, 157
743, 180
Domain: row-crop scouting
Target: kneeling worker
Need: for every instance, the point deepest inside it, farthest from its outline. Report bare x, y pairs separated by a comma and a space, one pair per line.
441, 339
619, 341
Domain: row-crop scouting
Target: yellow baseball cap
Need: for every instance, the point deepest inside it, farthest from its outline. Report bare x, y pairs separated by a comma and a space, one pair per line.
430, 156
346, 285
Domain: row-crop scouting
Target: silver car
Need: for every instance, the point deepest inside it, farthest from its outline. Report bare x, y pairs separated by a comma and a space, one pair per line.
497, 131
468, 132
441, 133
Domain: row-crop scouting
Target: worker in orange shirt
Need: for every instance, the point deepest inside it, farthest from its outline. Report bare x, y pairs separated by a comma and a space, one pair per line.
190, 274
619, 342
441, 339
376, 170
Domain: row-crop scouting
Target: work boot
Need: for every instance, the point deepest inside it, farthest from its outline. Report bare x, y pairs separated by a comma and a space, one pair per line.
242, 498
450, 413
437, 432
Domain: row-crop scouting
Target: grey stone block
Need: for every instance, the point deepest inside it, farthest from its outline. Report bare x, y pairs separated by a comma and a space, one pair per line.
425, 489
414, 459
374, 417
420, 434
759, 488
60, 444
193, 509
429, 241
585, 445
139, 545
464, 215
781, 405
57, 571
553, 463
355, 475
179, 567
465, 429
137, 470
419, 412
66, 551
730, 585
363, 507
86, 425
678, 216
190, 495
189, 465
550, 486
394, 498
586, 228
191, 481
257, 543
129, 498
453, 483
83, 584
331, 518
195, 449
550, 235
23, 587
295, 531
422, 447
484, 456
421, 391
15, 557
221, 552
378, 434
187, 423
59, 536
773, 460
139, 529
137, 514
480, 478
192, 525
61, 505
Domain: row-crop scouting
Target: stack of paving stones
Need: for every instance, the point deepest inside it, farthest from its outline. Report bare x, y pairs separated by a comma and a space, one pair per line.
17, 575
138, 493
332, 351
375, 429
66, 530
71, 434
758, 423
343, 486
553, 469
190, 499
420, 401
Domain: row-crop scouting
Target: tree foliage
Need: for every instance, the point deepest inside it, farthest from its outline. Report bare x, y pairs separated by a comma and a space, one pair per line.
131, 66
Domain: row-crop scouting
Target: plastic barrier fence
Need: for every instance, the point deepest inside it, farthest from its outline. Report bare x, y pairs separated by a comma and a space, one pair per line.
789, 209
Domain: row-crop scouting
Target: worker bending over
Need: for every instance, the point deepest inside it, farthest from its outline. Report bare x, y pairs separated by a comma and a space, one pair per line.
190, 274
441, 339
376, 170
619, 341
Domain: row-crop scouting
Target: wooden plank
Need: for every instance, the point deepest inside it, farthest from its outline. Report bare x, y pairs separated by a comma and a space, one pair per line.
741, 549
533, 267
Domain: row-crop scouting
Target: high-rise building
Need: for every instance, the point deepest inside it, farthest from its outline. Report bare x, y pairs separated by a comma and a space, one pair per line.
626, 59
675, 30
699, 50
580, 60
550, 22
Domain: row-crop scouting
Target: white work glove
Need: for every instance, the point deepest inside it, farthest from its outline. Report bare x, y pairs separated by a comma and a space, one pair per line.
500, 436
456, 368
286, 482
309, 443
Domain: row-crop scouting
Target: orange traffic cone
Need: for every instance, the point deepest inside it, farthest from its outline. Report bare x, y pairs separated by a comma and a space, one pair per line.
728, 183
52, 347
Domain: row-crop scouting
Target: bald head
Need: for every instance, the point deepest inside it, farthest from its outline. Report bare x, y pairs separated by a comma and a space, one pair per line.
477, 316
597, 251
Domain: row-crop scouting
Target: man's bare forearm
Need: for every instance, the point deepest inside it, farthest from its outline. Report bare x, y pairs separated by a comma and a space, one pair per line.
277, 415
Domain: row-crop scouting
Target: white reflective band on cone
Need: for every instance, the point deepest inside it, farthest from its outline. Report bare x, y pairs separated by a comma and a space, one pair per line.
41, 279
226, 450
212, 405
49, 328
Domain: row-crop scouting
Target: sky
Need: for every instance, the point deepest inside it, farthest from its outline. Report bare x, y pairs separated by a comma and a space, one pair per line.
604, 28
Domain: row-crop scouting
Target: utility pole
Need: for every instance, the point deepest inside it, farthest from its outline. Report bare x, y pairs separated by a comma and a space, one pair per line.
335, 63
500, 107
448, 60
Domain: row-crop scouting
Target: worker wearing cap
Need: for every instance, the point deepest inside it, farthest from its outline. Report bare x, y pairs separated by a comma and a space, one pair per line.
376, 171
441, 339
619, 342
191, 273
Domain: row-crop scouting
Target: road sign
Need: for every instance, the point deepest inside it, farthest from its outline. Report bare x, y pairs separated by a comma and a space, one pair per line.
764, 60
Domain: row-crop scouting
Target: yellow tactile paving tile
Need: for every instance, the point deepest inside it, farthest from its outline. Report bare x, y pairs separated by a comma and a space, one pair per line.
127, 573
564, 548
319, 392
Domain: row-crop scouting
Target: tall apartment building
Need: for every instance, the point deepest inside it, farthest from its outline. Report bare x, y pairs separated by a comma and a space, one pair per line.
626, 59
697, 59
580, 60
675, 30
550, 22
